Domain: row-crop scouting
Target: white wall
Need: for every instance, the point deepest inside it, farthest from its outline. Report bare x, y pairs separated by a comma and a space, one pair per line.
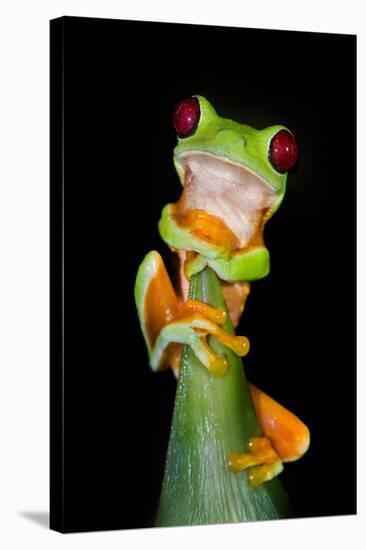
24, 268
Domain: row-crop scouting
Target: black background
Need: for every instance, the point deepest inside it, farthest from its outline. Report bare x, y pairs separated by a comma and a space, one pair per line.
121, 82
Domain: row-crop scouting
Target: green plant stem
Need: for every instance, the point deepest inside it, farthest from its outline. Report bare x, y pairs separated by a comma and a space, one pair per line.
213, 417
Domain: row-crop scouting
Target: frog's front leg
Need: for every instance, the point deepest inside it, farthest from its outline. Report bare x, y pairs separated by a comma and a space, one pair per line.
166, 319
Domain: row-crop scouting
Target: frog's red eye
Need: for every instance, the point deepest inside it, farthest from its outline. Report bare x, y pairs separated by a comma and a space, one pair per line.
186, 117
283, 151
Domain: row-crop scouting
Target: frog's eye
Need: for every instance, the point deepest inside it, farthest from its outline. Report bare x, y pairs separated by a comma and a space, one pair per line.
283, 151
186, 117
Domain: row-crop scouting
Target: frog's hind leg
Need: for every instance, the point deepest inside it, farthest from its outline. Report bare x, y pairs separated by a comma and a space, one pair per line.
261, 458
167, 321
235, 296
285, 439
156, 300
288, 434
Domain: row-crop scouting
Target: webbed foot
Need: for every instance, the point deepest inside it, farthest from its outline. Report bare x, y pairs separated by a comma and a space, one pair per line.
196, 321
262, 459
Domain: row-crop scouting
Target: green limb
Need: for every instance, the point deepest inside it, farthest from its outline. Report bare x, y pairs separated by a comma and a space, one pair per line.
247, 266
182, 238
250, 265
182, 332
145, 274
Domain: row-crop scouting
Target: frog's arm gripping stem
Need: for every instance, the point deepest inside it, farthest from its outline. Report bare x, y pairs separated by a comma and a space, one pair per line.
166, 321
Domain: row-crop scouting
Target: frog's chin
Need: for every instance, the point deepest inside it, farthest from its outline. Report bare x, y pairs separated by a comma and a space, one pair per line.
229, 190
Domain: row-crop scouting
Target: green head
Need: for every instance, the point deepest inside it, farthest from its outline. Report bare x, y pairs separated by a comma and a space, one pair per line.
229, 150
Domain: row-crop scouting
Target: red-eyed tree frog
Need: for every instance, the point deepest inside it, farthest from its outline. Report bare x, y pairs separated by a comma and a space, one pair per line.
233, 179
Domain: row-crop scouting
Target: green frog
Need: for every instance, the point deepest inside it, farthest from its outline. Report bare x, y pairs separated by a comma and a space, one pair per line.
234, 179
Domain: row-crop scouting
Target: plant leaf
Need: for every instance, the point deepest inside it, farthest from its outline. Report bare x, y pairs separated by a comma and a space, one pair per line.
213, 417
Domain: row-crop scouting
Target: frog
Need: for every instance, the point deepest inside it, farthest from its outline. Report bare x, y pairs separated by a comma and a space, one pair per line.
233, 180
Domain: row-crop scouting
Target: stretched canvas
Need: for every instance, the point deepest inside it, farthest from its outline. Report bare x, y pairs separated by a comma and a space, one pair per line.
115, 86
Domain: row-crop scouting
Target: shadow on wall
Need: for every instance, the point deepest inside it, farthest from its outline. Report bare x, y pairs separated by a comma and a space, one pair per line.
41, 518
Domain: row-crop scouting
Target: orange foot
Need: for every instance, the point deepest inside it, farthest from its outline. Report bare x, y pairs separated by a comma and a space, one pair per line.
262, 459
